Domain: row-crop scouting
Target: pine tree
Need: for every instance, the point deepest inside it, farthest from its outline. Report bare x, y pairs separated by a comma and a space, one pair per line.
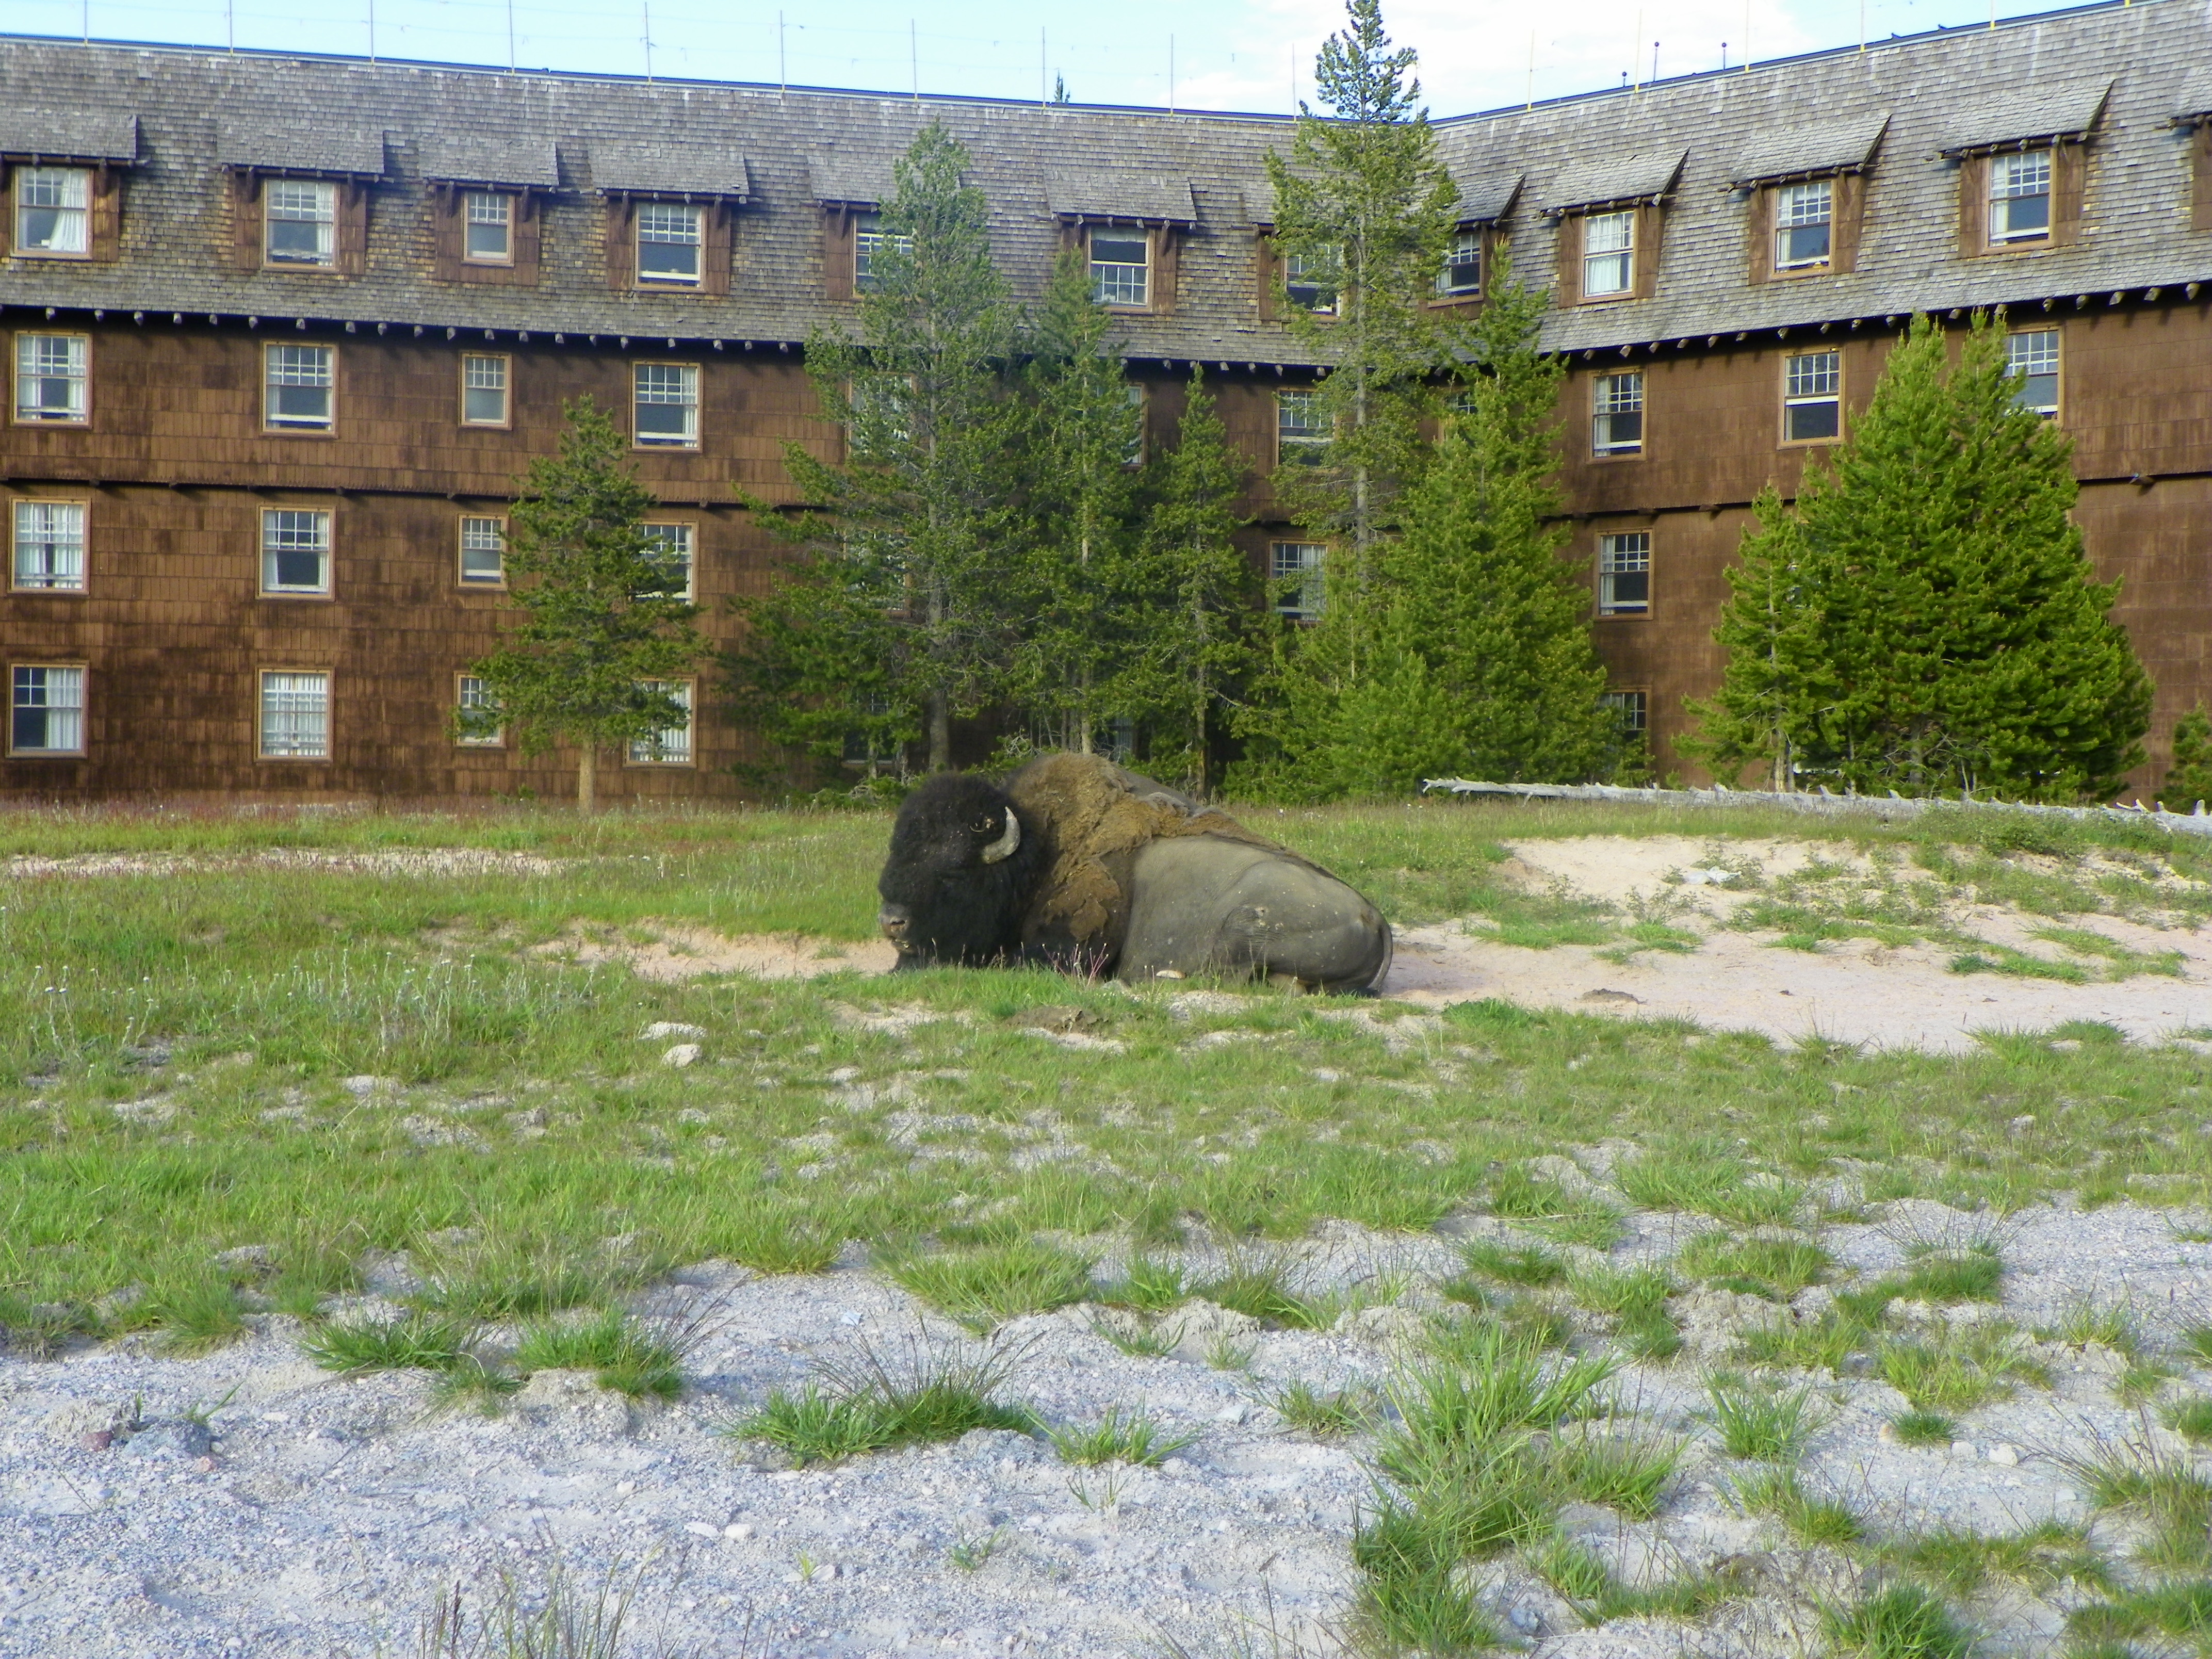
602, 615
1771, 684
2188, 780
905, 564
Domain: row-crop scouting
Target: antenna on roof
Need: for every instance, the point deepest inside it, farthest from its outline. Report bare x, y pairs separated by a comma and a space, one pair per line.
1041, 56
1531, 104
510, 36
914, 57
1170, 74
782, 76
645, 8
372, 28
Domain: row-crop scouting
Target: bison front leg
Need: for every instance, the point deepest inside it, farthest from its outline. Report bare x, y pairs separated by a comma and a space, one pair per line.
1199, 905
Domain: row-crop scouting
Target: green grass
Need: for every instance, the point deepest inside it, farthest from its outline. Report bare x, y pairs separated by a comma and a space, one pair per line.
1758, 1424
1956, 1369
1925, 1429
1903, 1622
1149, 1285
1546, 1207
1710, 1181
1774, 1268
415, 1341
2192, 1418
2168, 1492
2109, 1627
1964, 1275
994, 1283
1809, 1519
875, 1402
1323, 1413
198, 1316
625, 1353
1628, 1472
1825, 1342
1259, 1285
1513, 1264
1960, 1562
1120, 1437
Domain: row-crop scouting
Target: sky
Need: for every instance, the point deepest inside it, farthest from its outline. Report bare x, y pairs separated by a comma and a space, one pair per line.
1246, 55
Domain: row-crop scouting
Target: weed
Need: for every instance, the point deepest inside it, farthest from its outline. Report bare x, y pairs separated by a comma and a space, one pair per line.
470, 1381
1758, 1424
2192, 1418
1808, 1519
627, 1356
1712, 1184
1649, 1334
1956, 1369
1149, 1287
1923, 1429
39, 1331
2141, 1381
2110, 1324
970, 1551
1259, 1286
517, 1277
2195, 1341
1628, 1293
199, 1316
1583, 1580
989, 1285
2018, 964
2165, 1490
1903, 1622
776, 1241
1967, 1276
2183, 1609
1824, 1342
1546, 1206
1225, 1354
553, 1620
873, 1401
1137, 1337
1513, 1264
1625, 1471
1960, 1562
1310, 1411
1118, 1438
417, 1340
1773, 1267
1410, 1597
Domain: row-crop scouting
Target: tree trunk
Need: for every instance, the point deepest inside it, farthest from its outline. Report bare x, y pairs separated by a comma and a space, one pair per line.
587, 779
940, 730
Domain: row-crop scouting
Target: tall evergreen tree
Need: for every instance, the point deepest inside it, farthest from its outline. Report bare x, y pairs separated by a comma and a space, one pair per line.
603, 616
1955, 638
1773, 682
905, 563
2188, 780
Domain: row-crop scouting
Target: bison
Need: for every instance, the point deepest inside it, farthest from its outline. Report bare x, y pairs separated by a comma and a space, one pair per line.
1080, 865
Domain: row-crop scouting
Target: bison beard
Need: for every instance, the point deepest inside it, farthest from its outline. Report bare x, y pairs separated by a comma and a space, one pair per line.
1079, 865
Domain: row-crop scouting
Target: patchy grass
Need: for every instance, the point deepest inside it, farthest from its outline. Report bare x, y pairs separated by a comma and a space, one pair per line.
1514, 1264
2168, 1492
1758, 1424
1925, 1429
1960, 1562
1808, 1518
1902, 1621
1774, 1268
1957, 1369
994, 1283
876, 1400
1120, 1437
415, 1341
1327, 1414
626, 1354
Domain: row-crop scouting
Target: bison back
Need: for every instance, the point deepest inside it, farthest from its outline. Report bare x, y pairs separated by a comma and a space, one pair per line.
1206, 904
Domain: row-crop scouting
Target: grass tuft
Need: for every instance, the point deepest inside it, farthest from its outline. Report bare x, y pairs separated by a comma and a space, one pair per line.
1513, 1264
1776, 1268
1118, 1438
1808, 1519
1960, 1562
1955, 1369
198, 1315
1925, 1429
1625, 1471
2191, 1419
628, 1356
986, 1285
1757, 1424
1903, 1622
875, 1402
418, 1341
1311, 1411
1150, 1287
2165, 1490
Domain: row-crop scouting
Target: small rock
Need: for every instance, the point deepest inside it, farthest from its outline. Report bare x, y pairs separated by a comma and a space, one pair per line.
671, 1028
2005, 1455
737, 1531
248, 1256
1962, 1449
1887, 1434
2067, 1046
1058, 1017
1323, 1074
701, 1529
174, 1439
625, 1488
682, 1054
2025, 1121
365, 1086
1606, 994
99, 1440
1234, 1412
204, 1465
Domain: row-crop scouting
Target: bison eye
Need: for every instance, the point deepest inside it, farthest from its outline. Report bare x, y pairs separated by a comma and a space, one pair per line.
982, 826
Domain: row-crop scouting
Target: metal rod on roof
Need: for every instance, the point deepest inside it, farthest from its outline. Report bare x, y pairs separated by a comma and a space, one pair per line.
645, 8
782, 76
510, 36
1531, 104
1042, 99
1635, 41
230, 25
1170, 73
914, 57
372, 30
1747, 36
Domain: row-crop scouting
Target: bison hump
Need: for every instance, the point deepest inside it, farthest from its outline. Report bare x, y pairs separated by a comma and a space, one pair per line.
1093, 817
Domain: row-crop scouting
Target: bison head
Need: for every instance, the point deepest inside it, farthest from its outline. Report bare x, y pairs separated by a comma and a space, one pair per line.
958, 878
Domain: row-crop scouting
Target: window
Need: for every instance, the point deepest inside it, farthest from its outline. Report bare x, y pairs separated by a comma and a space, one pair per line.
50, 378
1630, 708
1299, 563
1812, 397
2020, 197
1462, 271
673, 746
1121, 266
299, 222
879, 410
869, 239
47, 711
296, 387
476, 699
1305, 279
483, 390
50, 545
54, 212
483, 552
1623, 573
295, 716
488, 228
295, 551
667, 403
1608, 254
1617, 414
670, 239
1804, 217
1132, 451
672, 545
2033, 358
1300, 438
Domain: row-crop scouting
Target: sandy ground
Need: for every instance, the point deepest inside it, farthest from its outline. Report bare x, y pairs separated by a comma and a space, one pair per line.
678, 952
325, 1512
396, 861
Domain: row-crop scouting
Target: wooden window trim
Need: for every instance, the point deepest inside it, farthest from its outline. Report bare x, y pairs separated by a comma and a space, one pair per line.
1609, 457
461, 392
2069, 165
839, 222
84, 717
449, 236
1651, 573
1645, 691
496, 741
327, 594
103, 215
261, 755
7, 533
2047, 325
1644, 274
692, 522
1486, 244
2200, 197
1163, 257
1847, 209
1267, 270
320, 434
697, 443
13, 418
349, 232
1782, 400
691, 763
717, 251
461, 578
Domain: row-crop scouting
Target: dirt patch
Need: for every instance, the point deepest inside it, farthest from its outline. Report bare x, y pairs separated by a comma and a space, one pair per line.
398, 861
674, 953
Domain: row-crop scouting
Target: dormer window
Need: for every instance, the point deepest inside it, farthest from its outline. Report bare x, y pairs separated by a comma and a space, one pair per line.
672, 237
1462, 277
54, 212
2020, 197
1804, 224
1608, 255
1121, 265
300, 220
871, 240
1305, 281
489, 218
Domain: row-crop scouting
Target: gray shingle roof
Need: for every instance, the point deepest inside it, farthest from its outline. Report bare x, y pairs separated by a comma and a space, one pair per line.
310, 147
71, 134
2194, 102
2052, 110
1641, 175
1149, 196
1483, 200
670, 168
488, 159
836, 179
1818, 147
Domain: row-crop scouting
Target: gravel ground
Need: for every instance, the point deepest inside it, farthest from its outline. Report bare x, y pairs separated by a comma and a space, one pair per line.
320, 1514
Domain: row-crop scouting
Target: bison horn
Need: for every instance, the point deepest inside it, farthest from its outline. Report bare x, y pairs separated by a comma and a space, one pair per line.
1003, 847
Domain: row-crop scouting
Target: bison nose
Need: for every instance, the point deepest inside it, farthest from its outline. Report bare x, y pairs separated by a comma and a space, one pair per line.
892, 919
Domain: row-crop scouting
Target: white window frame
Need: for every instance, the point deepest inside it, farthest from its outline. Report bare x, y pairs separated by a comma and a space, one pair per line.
1617, 252
60, 550
283, 734
656, 227
2027, 354
1139, 400
2018, 176
70, 229
1295, 278
1805, 205
1805, 386
1299, 444
683, 536
1464, 242
1632, 706
313, 201
1304, 562
480, 697
677, 746
869, 239
488, 371
300, 368
488, 207
1120, 284
1611, 403
673, 386
17, 685
36, 363
1623, 553
472, 536
293, 530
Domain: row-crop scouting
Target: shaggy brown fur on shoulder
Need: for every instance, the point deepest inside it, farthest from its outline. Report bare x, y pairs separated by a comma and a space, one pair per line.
1094, 817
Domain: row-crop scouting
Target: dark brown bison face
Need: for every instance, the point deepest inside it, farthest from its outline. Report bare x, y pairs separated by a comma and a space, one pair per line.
958, 879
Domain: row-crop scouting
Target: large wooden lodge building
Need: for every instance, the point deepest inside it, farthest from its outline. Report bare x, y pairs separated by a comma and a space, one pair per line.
281, 331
